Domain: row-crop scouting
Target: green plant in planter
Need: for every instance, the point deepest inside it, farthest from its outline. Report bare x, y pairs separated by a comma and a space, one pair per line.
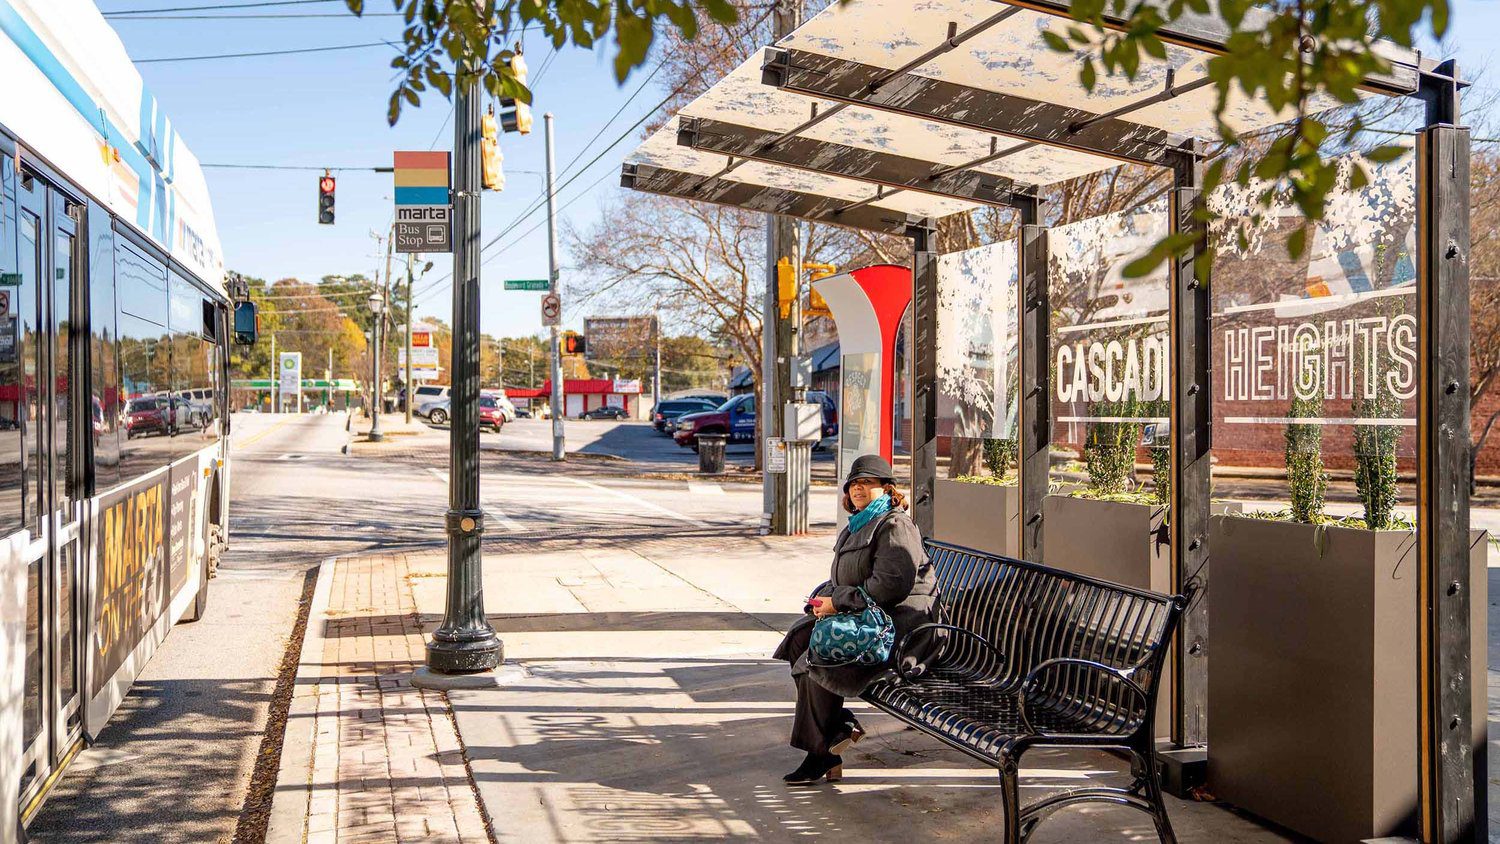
1000, 455
1375, 461
1109, 447
1304, 462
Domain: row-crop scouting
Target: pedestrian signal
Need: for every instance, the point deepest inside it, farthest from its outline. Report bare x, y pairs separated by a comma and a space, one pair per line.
574, 344
326, 184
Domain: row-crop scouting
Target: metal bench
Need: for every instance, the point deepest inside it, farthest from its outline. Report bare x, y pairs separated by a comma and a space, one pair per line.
1030, 656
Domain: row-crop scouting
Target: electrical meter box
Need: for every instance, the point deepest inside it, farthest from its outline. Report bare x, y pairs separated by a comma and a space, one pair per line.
803, 421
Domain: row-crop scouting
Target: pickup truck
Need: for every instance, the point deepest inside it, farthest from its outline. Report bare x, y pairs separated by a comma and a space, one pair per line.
736, 418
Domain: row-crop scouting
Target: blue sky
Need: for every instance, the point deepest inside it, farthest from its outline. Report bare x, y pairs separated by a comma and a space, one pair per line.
328, 109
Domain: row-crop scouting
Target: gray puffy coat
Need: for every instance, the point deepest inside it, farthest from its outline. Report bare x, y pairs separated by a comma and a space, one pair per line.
885, 557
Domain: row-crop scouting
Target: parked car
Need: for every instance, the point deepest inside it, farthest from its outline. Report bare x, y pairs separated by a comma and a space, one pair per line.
608, 411
665, 415
491, 413
440, 412
523, 413
507, 408
149, 415
735, 417
429, 393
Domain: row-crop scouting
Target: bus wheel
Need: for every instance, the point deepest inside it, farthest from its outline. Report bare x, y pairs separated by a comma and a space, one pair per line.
199, 607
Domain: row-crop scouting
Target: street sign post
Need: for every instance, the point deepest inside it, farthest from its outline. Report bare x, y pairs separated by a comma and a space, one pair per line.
540, 285
551, 309
424, 205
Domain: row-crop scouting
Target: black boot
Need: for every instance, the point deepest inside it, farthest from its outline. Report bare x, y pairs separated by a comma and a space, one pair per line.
845, 735
815, 767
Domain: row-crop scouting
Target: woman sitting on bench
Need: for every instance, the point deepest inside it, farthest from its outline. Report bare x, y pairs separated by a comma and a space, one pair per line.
879, 552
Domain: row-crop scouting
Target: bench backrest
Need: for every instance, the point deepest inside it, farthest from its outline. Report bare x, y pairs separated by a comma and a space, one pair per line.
1033, 613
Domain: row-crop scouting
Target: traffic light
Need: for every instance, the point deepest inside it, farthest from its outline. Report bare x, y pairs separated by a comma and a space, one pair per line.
574, 344
786, 286
490, 156
515, 116
326, 184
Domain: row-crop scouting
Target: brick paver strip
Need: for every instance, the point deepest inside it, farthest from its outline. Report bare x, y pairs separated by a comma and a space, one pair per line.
388, 765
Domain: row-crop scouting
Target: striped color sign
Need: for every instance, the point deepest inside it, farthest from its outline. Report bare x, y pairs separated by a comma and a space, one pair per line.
422, 178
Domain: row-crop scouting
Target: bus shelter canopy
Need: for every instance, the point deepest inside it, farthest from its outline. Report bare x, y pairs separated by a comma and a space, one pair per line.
876, 111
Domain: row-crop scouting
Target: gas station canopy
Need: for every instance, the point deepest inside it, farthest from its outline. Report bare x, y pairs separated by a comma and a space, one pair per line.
875, 111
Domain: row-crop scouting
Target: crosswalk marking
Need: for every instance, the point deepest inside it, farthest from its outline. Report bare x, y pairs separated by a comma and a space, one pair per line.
490, 510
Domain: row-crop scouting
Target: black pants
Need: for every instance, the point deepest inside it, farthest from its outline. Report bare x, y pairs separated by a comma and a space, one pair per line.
820, 713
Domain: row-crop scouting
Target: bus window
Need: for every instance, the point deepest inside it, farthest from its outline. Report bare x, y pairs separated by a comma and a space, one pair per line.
104, 352
11, 410
145, 362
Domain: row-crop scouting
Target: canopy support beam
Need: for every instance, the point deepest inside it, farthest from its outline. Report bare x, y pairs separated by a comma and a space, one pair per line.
1451, 738
1035, 344
924, 303
1190, 443
806, 206
817, 75
882, 168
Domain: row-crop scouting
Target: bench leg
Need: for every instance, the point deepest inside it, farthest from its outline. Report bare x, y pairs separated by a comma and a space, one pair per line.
1158, 803
1010, 793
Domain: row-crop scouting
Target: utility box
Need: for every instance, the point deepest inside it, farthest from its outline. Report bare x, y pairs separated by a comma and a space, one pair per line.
802, 421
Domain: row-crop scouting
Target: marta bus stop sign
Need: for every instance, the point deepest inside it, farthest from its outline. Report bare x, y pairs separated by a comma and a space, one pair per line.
424, 207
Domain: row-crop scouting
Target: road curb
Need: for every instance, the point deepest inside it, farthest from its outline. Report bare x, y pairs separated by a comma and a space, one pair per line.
291, 803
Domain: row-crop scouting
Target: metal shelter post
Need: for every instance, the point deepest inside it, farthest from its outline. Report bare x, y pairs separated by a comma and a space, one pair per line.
1035, 419
1191, 418
924, 292
1452, 779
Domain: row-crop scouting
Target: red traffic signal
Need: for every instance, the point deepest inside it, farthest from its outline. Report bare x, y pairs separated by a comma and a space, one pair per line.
574, 344
326, 184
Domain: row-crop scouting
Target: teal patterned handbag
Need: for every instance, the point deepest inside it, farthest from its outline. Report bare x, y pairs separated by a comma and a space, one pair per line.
853, 638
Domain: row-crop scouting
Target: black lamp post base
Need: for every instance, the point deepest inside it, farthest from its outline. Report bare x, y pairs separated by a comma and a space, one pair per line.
377, 437
451, 654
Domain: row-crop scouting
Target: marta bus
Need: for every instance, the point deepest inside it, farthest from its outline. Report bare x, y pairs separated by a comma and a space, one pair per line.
114, 324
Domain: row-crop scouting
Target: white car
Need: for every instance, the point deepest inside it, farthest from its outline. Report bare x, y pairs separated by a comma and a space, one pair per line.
507, 407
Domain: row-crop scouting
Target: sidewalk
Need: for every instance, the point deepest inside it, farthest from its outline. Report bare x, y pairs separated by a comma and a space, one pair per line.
651, 712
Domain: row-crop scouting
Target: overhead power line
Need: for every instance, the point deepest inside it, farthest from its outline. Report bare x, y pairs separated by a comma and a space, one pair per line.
265, 53
215, 7
258, 16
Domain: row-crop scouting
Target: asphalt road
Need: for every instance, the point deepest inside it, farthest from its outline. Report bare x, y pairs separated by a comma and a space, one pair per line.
175, 762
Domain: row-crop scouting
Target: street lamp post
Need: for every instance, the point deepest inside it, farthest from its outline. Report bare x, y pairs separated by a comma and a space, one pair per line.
377, 307
465, 643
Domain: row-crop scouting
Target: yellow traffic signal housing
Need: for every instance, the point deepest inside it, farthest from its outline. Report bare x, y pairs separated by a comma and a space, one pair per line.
515, 116
490, 157
574, 344
786, 285
816, 304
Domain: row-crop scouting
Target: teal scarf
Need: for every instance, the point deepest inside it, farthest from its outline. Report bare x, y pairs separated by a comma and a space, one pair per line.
871, 511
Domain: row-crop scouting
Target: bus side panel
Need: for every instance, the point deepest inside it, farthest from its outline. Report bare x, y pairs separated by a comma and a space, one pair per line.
128, 565
192, 483
12, 677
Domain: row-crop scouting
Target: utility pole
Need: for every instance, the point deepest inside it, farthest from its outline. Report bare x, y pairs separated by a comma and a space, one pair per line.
275, 374
656, 364
465, 643
407, 379
381, 303
778, 335
328, 399
559, 449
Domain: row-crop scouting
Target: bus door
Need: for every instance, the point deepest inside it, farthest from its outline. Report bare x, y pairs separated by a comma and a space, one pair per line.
49, 238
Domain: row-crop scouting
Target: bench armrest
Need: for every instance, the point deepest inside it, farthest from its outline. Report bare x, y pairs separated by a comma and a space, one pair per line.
1115, 675
899, 657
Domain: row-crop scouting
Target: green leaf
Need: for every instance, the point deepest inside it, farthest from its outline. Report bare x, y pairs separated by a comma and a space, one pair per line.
1386, 154
1087, 75
1296, 242
1056, 42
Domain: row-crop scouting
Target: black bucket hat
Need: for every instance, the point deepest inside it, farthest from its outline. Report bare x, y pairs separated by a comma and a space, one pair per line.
870, 466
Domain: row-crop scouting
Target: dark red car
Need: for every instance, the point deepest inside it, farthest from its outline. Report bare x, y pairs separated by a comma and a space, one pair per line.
490, 414
147, 416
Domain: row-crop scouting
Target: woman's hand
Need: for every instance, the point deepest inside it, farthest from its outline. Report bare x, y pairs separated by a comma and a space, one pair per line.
823, 607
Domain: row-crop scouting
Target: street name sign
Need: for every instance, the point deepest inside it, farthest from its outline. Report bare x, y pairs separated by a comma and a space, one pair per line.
551, 309
538, 284
424, 205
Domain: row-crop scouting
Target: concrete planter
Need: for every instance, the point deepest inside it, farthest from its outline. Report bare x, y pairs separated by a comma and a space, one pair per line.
1312, 692
1116, 541
984, 517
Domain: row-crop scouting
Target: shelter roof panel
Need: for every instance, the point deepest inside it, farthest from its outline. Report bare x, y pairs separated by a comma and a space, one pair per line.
1010, 57
661, 150
742, 98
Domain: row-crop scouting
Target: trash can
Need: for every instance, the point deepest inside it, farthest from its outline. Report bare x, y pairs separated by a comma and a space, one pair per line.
711, 453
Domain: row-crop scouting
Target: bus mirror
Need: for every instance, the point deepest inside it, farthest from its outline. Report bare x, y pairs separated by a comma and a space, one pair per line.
246, 323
